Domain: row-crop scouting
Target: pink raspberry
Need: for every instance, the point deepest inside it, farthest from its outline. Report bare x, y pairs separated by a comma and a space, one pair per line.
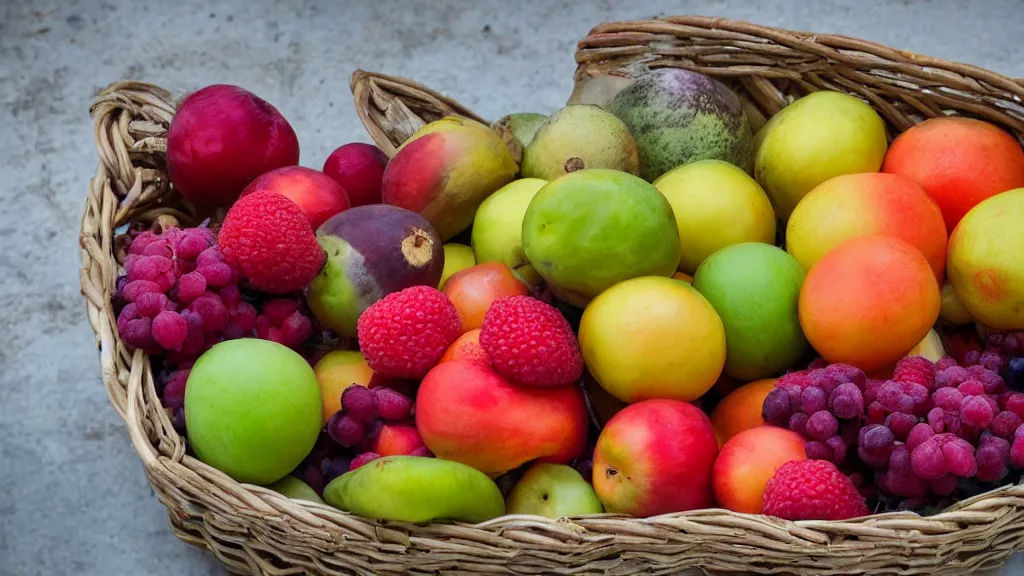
812, 490
404, 334
531, 343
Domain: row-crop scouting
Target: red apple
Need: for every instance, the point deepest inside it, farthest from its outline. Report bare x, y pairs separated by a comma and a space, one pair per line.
316, 194
359, 169
655, 457
220, 139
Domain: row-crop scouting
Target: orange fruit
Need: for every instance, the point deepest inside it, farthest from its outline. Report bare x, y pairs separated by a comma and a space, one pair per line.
741, 409
473, 290
958, 161
467, 347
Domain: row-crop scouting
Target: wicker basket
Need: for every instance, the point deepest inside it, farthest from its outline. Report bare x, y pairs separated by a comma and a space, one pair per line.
254, 530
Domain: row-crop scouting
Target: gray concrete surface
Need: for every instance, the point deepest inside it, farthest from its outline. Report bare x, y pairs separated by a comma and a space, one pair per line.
73, 499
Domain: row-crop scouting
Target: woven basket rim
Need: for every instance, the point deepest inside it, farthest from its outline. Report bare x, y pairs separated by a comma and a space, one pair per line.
130, 120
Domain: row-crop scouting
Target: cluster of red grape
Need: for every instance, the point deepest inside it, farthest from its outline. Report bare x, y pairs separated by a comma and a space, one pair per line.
922, 432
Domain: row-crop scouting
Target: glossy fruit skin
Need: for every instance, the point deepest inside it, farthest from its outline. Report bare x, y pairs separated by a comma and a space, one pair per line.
959, 161
468, 413
589, 230
498, 228
335, 372
817, 137
456, 257
416, 489
222, 137
715, 205
316, 194
552, 491
741, 409
746, 463
869, 302
655, 457
467, 347
653, 337
252, 409
445, 170
986, 263
359, 169
854, 205
474, 289
755, 288
294, 488
372, 251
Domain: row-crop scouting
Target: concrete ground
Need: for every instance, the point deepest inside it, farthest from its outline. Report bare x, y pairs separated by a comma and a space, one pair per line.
73, 498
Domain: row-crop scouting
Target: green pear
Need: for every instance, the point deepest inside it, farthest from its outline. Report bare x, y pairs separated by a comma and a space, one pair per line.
553, 490
498, 228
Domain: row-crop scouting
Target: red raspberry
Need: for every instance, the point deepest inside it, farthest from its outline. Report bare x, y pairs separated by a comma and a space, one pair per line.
269, 238
406, 333
812, 490
915, 369
531, 343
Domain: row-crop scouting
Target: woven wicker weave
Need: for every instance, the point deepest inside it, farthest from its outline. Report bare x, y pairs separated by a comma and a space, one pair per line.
256, 531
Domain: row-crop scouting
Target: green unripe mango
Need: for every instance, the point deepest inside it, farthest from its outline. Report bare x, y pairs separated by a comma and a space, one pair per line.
416, 489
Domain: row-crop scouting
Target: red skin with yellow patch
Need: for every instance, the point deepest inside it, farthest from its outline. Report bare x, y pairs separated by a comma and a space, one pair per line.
655, 457
958, 161
468, 413
467, 347
746, 463
473, 290
397, 440
315, 193
855, 205
868, 302
417, 174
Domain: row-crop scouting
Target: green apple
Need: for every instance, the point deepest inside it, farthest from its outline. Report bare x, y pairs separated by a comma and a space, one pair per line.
553, 490
292, 487
498, 228
252, 409
456, 257
755, 288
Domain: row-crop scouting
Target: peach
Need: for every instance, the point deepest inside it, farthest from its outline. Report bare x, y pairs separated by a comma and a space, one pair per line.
746, 463
445, 170
468, 413
220, 139
655, 457
868, 302
397, 440
856, 205
467, 347
474, 289
741, 409
359, 169
335, 372
958, 161
316, 194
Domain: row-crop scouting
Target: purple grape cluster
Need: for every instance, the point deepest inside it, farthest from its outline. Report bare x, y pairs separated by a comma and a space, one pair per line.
922, 433
825, 405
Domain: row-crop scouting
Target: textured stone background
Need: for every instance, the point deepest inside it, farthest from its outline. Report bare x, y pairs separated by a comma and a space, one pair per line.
73, 498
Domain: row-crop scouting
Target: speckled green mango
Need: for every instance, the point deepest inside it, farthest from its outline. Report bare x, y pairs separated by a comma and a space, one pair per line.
589, 230
678, 117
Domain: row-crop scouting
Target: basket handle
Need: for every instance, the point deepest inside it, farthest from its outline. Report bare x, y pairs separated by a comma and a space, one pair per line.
392, 108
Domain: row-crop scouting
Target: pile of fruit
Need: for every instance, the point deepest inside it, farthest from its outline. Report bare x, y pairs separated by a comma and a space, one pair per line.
648, 302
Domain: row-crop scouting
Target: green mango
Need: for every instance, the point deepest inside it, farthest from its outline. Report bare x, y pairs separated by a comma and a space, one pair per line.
416, 489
